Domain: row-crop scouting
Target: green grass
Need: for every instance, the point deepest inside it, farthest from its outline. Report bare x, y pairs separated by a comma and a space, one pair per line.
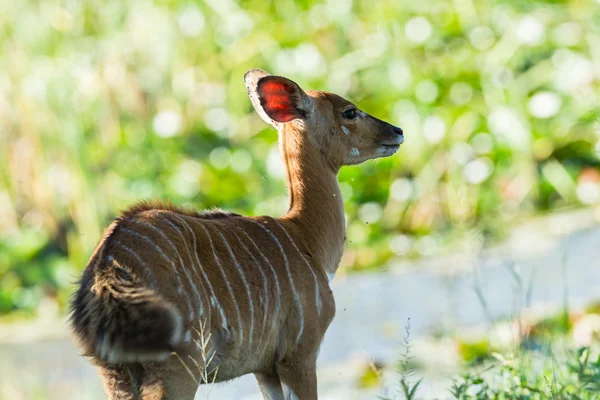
577, 377
557, 371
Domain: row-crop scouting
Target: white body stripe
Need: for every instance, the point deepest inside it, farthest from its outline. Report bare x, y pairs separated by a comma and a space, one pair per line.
164, 256
148, 271
213, 300
274, 272
317, 288
289, 275
189, 278
183, 268
239, 268
229, 289
265, 284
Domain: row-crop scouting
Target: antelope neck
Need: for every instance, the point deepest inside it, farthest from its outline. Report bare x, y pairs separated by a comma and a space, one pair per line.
316, 206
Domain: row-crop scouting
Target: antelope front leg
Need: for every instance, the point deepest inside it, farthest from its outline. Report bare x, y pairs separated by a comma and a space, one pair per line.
270, 386
298, 379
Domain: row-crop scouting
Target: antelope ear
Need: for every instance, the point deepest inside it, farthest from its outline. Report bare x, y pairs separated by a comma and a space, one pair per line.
251, 79
276, 99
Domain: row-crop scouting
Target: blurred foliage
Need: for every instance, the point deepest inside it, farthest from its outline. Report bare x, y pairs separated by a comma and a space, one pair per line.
475, 351
103, 103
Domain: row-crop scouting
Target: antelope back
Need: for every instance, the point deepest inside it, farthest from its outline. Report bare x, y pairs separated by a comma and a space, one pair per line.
244, 282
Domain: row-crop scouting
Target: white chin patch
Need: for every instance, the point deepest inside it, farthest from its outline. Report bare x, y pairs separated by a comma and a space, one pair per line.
355, 152
386, 152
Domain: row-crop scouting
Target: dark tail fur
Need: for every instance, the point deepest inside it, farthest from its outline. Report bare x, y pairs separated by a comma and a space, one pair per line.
118, 319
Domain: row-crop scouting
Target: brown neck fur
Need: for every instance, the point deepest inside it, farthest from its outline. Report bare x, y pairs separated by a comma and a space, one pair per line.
316, 204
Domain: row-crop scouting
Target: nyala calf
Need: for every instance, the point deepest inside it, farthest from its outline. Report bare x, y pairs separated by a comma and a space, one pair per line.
172, 298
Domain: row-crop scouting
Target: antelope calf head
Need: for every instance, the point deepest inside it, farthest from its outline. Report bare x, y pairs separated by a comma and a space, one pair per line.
172, 298
344, 134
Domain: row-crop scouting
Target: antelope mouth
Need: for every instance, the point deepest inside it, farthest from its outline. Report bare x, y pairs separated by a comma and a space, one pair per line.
392, 142
391, 146
388, 149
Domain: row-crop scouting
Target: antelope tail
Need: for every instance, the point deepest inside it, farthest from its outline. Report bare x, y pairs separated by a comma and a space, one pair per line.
118, 319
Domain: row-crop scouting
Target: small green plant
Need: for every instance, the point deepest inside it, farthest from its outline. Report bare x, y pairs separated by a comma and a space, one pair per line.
463, 387
407, 389
586, 370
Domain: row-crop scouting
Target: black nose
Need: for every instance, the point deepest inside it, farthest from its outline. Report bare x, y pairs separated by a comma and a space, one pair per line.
397, 131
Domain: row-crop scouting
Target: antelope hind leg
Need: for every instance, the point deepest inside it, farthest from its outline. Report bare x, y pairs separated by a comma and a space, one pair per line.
121, 382
177, 382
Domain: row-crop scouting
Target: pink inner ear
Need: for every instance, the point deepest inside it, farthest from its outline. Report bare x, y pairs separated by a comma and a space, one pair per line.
278, 100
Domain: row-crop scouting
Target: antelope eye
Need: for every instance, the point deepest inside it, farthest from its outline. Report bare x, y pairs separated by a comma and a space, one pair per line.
350, 114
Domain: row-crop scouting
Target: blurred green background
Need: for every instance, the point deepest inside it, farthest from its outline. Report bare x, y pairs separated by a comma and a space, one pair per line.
104, 103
